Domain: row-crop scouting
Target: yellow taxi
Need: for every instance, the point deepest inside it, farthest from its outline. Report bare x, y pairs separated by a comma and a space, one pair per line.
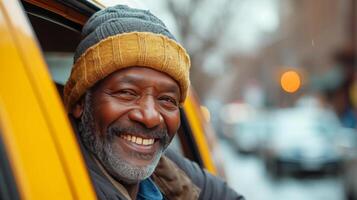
39, 154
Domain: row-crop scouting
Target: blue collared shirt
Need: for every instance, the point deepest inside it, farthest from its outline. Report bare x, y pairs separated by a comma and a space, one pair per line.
148, 191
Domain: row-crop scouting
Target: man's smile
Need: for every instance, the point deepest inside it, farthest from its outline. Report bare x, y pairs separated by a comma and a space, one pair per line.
138, 140
141, 149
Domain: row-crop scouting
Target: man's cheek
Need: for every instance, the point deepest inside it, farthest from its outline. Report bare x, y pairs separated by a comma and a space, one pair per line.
173, 125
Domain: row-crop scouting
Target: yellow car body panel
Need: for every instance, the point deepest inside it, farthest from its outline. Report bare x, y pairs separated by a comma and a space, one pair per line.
42, 149
192, 110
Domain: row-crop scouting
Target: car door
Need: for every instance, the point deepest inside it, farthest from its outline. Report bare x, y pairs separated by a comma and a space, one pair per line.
43, 158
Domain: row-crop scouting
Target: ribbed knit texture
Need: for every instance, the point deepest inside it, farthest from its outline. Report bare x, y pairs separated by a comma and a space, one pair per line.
116, 20
119, 37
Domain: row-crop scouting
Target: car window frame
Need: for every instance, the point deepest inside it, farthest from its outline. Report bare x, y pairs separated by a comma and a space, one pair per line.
193, 149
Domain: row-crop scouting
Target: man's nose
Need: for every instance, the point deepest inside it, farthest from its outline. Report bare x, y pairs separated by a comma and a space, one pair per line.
146, 113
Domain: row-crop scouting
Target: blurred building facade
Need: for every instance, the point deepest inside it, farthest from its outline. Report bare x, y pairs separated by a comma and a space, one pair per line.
315, 38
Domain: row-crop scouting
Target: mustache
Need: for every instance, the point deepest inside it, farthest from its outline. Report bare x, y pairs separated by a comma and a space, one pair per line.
159, 133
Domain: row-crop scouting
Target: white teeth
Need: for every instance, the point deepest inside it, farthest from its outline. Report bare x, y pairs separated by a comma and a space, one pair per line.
133, 139
138, 140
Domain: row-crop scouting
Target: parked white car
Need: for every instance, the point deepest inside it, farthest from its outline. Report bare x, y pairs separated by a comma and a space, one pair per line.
303, 140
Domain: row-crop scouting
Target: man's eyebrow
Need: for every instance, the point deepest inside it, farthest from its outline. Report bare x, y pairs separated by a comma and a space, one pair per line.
172, 88
127, 79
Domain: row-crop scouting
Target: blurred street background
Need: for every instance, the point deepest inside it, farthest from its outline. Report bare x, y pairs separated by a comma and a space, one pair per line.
277, 80
248, 175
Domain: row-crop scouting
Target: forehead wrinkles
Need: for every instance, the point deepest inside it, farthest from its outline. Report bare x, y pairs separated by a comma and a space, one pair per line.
149, 81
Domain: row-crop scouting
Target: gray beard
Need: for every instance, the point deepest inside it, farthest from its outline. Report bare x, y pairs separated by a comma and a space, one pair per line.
106, 150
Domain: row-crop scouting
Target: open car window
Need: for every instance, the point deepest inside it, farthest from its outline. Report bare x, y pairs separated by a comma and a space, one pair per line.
8, 188
58, 38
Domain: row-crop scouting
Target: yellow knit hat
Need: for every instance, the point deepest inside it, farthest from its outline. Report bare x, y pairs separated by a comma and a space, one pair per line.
122, 50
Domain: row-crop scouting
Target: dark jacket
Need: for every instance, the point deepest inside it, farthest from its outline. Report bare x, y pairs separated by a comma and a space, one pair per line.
212, 187
176, 176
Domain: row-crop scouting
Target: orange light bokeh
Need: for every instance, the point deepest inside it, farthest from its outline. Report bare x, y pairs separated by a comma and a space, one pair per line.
290, 81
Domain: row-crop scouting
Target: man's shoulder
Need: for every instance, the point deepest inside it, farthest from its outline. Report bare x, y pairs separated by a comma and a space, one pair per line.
173, 182
210, 186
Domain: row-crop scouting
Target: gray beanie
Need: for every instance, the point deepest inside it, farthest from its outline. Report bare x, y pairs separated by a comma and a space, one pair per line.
119, 37
116, 20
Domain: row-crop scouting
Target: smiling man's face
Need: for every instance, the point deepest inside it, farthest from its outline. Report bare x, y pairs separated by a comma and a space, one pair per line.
128, 119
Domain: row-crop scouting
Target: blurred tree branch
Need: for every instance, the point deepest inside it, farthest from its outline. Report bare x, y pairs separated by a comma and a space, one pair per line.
205, 41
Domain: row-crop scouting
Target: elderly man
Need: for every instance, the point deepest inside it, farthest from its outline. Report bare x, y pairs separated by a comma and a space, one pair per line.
130, 77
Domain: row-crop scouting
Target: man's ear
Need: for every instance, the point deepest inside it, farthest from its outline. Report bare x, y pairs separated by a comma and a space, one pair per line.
78, 108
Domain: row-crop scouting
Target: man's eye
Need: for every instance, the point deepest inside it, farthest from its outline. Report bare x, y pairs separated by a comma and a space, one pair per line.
169, 100
125, 93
